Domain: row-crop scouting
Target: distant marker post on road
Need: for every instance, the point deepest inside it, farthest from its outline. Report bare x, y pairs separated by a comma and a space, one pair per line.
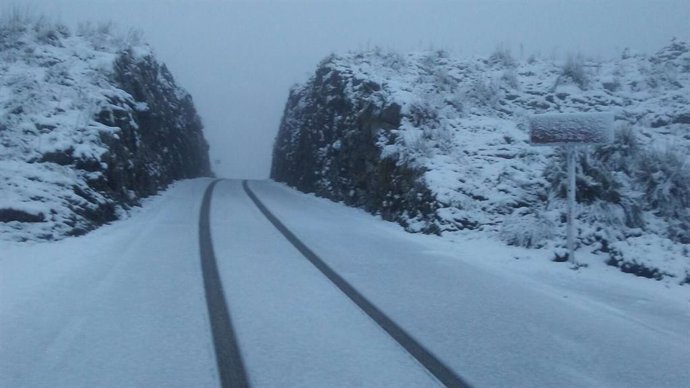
571, 130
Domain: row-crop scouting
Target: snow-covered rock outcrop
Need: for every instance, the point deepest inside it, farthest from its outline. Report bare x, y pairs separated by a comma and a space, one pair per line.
440, 145
90, 122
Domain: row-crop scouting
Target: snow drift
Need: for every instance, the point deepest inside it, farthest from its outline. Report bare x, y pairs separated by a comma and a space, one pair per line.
440, 145
90, 122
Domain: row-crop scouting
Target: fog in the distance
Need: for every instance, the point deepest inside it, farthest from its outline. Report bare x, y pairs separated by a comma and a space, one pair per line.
239, 58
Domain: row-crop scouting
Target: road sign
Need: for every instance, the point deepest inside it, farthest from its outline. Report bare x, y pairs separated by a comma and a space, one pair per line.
571, 130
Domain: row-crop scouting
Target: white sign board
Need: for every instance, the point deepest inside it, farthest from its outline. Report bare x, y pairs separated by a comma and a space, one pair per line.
555, 129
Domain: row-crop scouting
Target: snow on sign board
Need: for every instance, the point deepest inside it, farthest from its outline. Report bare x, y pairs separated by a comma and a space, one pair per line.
571, 128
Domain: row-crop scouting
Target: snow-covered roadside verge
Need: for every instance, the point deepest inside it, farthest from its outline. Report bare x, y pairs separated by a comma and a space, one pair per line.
111, 308
501, 321
662, 304
603, 283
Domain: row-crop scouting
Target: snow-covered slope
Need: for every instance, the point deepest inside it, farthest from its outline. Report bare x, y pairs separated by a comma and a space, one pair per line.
440, 145
89, 123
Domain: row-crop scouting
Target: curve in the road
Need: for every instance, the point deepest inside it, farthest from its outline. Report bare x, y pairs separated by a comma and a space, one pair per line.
230, 366
442, 372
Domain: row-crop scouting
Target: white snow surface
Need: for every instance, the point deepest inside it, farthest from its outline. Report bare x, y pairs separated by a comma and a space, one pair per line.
124, 305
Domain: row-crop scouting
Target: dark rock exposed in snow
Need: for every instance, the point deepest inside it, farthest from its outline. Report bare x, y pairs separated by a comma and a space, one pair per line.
90, 123
343, 164
160, 129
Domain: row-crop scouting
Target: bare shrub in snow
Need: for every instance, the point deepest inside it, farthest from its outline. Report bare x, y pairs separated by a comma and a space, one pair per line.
665, 178
526, 229
134, 37
421, 113
574, 69
48, 32
434, 58
661, 177
102, 35
456, 100
419, 145
441, 137
13, 25
443, 80
17, 19
485, 92
663, 75
394, 60
503, 57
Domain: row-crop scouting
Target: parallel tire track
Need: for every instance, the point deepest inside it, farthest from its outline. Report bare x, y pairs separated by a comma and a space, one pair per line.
228, 358
442, 372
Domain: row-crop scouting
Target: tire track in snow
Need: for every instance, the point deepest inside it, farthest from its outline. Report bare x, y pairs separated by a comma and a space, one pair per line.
228, 358
437, 368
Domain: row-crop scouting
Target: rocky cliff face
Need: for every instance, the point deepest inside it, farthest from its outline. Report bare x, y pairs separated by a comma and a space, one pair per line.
90, 123
318, 151
440, 145
161, 138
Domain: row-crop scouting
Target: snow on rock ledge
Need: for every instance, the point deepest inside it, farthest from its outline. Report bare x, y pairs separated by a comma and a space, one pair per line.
89, 124
440, 145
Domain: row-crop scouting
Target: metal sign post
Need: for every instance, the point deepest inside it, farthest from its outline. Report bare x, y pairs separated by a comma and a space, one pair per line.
570, 150
570, 130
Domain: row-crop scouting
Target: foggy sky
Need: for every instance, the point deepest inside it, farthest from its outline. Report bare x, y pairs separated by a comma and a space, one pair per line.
238, 59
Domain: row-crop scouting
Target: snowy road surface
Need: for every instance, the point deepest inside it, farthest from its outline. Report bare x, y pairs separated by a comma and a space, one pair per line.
125, 306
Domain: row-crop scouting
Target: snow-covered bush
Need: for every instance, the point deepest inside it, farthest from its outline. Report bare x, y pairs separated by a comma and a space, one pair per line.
656, 180
574, 70
485, 93
665, 177
50, 33
12, 25
503, 57
524, 228
421, 114
106, 35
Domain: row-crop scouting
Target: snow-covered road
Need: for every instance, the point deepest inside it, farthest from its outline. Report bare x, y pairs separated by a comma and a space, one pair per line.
125, 306
294, 327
